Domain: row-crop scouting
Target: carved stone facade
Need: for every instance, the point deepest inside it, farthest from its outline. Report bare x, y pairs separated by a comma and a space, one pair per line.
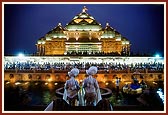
54, 47
61, 76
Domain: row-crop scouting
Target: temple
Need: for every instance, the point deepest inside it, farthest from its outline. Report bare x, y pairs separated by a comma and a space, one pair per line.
83, 35
126, 82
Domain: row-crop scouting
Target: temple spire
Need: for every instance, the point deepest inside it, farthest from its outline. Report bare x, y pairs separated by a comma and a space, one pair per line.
107, 24
59, 24
84, 9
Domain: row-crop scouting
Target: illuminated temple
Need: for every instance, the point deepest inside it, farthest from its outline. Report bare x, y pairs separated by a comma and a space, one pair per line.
83, 35
36, 83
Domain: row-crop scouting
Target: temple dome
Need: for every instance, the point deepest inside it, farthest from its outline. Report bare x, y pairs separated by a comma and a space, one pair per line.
125, 40
109, 32
83, 22
41, 40
57, 32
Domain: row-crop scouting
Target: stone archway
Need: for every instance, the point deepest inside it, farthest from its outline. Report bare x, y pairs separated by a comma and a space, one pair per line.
160, 76
30, 76
38, 77
11, 76
47, 76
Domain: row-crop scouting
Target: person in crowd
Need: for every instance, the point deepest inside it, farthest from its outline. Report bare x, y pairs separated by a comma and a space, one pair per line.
143, 84
92, 92
71, 87
117, 87
135, 84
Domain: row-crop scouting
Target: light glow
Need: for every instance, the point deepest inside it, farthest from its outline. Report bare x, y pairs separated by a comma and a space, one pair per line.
157, 55
55, 83
17, 83
49, 80
7, 82
46, 83
20, 55
161, 95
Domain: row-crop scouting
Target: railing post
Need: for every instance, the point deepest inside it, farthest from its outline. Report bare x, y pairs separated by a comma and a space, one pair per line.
16, 70
146, 70
34, 70
52, 70
128, 70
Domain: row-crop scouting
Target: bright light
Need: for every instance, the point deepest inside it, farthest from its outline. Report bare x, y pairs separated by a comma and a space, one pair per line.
26, 83
161, 95
46, 83
17, 83
55, 83
7, 82
154, 83
49, 80
157, 55
20, 55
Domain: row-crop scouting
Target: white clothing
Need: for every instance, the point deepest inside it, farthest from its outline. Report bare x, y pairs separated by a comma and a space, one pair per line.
117, 82
71, 88
90, 85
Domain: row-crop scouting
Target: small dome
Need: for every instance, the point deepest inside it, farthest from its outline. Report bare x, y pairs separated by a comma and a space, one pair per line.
57, 32
41, 40
108, 32
125, 40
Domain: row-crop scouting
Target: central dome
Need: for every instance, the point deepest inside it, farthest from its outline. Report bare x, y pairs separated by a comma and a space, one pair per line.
83, 22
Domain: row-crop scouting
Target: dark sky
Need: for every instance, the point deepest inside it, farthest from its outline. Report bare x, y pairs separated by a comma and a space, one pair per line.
142, 24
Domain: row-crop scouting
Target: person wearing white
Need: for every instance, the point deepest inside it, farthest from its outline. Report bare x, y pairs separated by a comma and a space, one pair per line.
92, 92
70, 90
71, 87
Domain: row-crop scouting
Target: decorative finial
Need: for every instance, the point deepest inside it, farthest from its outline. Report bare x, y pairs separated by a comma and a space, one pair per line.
84, 9
107, 24
59, 24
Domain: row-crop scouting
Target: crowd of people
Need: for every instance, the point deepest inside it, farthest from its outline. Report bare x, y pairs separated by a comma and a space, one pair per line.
74, 53
29, 65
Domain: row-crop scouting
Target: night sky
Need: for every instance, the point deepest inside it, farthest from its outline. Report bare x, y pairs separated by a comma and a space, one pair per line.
142, 24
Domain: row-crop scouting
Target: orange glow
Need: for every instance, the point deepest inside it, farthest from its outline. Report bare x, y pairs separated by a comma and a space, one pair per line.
46, 83
50, 85
89, 20
78, 20
107, 83
26, 83
49, 80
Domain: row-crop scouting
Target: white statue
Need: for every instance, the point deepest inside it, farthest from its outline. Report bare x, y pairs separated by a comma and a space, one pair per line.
92, 92
71, 87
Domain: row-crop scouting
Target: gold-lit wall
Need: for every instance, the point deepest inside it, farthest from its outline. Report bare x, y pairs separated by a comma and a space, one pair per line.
110, 45
53, 76
57, 46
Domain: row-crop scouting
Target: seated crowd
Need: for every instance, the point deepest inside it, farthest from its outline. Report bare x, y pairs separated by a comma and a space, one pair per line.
29, 65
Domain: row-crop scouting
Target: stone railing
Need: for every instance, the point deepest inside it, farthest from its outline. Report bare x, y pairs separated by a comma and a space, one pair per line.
61, 75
